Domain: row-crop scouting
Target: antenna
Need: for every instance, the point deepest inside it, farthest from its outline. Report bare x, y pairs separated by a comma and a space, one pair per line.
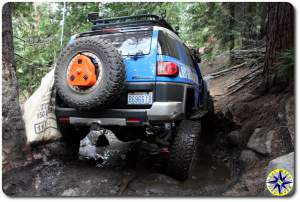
62, 22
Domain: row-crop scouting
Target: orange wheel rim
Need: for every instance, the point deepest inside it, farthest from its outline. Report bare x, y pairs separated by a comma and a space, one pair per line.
82, 72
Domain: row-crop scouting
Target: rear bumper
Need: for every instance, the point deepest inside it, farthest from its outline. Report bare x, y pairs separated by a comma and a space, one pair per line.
165, 111
159, 111
169, 103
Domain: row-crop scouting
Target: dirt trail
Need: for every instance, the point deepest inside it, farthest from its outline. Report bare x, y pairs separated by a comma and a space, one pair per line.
125, 172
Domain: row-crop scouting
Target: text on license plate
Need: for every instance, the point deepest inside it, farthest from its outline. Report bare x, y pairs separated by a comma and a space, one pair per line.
140, 98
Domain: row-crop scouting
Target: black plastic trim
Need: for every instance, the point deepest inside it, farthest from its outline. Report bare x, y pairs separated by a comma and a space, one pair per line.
166, 92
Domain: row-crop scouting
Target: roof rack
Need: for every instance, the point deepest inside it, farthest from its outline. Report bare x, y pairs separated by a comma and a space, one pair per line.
127, 21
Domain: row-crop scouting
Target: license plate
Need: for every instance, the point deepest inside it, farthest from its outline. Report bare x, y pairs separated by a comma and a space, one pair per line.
140, 98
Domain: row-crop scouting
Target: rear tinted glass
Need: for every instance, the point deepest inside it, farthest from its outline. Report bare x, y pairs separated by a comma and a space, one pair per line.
131, 43
189, 57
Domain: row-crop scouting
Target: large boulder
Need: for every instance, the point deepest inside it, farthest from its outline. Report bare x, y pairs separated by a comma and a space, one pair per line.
104, 149
286, 162
261, 141
239, 112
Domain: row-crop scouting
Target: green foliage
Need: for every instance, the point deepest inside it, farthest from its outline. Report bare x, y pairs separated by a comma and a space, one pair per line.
286, 60
215, 26
35, 48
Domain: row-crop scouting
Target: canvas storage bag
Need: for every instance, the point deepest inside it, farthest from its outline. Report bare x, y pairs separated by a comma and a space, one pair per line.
39, 113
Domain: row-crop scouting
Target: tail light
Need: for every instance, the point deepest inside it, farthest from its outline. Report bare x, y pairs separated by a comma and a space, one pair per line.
64, 120
110, 30
167, 69
133, 120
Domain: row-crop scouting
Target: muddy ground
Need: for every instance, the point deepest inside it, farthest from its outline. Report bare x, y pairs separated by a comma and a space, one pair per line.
127, 171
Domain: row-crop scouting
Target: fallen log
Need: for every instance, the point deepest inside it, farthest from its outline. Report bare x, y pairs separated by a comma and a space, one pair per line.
242, 54
242, 86
250, 74
217, 74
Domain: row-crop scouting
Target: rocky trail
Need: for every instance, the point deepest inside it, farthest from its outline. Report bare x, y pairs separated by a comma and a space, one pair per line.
123, 173
250, 129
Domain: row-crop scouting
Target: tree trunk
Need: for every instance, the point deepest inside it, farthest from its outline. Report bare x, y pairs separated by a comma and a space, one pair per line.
280, 37
14, 147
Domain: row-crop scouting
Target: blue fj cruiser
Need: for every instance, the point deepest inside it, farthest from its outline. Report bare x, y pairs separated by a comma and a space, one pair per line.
134, 76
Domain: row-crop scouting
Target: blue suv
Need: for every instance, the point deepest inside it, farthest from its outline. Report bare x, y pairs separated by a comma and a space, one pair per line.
134, 76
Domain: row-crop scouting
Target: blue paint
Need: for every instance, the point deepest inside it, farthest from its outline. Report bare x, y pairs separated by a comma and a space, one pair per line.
143, 68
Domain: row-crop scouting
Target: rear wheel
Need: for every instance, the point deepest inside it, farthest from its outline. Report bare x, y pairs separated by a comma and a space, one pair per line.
183, 149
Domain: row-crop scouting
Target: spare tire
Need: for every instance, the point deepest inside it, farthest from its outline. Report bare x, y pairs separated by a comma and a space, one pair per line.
108, 68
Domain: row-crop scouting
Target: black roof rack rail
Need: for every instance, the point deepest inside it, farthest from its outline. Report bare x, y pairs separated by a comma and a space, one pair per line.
127, 21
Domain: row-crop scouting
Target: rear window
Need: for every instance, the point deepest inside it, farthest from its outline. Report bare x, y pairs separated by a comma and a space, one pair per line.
167, 45
131, 43
187, 59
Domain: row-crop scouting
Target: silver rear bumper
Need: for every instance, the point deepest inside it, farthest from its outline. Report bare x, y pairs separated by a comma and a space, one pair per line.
165, 111
160, 111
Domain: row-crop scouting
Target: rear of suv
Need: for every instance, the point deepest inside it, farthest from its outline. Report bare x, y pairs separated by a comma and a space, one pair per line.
134, 76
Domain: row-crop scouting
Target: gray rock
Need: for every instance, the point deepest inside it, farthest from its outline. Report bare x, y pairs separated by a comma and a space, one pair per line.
237, 112
115, 154
286, 162
290, 117
261, 141
234, 137
88, 145
248, 158
87, 149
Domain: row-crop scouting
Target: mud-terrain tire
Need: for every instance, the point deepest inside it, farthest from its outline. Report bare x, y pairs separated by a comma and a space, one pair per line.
183, 149
111, 81
71, 136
